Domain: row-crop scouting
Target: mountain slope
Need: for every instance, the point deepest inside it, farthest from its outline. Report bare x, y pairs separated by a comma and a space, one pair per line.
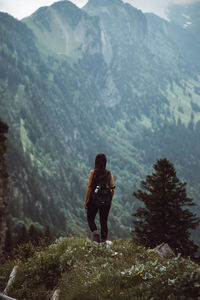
37, 126
106, 78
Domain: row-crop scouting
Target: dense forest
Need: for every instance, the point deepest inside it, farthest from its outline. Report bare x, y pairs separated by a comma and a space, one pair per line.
105, 78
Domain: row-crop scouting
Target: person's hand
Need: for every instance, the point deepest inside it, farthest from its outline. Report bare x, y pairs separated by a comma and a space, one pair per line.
85, 204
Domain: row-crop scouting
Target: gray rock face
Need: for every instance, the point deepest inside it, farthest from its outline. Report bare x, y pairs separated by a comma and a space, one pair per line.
110, 93
163, 250
106, 46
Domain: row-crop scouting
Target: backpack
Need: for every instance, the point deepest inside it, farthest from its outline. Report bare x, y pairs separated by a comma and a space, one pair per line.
101, 194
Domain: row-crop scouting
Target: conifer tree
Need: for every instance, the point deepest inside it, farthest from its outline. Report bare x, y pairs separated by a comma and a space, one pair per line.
4, 190
165, 216
22, 237
34, 234
8, 241
48, 234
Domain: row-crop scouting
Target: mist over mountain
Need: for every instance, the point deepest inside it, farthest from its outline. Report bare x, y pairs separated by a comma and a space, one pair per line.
187, 16
105, 78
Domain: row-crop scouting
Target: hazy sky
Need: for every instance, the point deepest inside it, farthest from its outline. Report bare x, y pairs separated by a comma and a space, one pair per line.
156, 6
22, 8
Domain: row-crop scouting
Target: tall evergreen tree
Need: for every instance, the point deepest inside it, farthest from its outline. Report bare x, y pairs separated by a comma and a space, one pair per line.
8, 241
34, 234
22, 236
4, 190
165, 216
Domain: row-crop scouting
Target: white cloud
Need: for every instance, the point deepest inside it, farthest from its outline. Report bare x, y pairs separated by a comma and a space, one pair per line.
23, 8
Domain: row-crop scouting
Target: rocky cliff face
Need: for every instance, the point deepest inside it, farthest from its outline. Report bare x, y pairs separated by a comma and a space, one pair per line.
124, 23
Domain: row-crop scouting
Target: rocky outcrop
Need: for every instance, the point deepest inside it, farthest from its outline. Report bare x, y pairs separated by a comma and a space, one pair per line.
163, 250
3, 186
110, 93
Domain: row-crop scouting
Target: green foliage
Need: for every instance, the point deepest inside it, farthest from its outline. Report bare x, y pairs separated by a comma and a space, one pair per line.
24, 251
165, 217
82, 269
22, 241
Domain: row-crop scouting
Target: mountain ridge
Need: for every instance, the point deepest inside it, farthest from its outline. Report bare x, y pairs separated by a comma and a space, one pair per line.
62, 26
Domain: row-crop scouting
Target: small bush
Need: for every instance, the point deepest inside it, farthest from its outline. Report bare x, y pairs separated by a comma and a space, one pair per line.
24, 251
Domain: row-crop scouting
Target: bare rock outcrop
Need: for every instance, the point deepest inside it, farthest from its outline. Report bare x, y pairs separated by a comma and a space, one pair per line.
163, 250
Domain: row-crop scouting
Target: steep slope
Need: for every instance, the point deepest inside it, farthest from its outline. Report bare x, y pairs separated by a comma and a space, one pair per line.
147, 51
107, 78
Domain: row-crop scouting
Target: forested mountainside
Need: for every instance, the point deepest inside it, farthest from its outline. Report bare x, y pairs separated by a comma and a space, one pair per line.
105, 78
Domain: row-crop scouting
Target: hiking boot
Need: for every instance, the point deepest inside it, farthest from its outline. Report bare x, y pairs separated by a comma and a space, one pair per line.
103, 239
96, 236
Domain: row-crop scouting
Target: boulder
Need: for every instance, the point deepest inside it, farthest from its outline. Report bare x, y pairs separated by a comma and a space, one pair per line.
163, 250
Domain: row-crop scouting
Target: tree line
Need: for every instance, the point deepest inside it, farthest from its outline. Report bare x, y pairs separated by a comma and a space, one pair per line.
23, 235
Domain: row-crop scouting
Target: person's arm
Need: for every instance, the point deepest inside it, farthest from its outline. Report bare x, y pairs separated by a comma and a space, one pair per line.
89, 188
112, 184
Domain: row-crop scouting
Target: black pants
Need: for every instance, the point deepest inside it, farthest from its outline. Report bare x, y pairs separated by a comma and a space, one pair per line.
103, 212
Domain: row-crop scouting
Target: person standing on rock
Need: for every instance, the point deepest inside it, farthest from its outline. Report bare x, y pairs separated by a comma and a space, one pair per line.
99, 195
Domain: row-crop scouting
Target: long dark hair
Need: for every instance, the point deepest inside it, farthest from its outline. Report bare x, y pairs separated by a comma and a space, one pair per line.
100, 172
100, 162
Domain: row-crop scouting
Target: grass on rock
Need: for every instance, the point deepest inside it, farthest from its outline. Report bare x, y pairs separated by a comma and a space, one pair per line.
82, 269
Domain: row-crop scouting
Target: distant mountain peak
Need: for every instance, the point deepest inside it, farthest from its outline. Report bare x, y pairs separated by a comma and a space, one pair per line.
105, 2
64, 3
62, 7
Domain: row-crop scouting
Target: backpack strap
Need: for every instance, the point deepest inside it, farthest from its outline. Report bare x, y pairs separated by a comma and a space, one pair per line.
92, 183
107, 180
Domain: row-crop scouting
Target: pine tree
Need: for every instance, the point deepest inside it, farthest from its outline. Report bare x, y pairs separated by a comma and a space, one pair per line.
22, 237
48, 234
165, 216
34, 234
4, 189
8, 241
